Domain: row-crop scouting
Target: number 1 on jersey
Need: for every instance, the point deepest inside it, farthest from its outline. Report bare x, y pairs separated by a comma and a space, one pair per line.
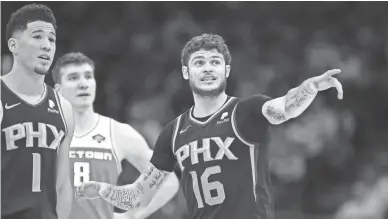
36, 171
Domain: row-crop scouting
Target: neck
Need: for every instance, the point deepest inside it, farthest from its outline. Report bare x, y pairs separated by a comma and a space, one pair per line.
85, 119
23, 80
205, 106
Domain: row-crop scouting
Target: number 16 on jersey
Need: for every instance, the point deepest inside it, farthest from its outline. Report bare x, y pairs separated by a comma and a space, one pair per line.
207, 187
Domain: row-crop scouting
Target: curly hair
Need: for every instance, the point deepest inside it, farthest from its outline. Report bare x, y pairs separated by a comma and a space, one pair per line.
208, 42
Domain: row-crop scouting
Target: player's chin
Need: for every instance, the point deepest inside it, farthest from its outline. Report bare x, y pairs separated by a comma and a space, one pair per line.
41, 69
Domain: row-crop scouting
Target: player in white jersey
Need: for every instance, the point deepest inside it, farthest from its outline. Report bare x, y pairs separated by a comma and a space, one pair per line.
100, 143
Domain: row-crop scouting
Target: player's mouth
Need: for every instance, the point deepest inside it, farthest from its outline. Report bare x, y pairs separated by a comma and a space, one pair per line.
44, 57
83, 95
208, 78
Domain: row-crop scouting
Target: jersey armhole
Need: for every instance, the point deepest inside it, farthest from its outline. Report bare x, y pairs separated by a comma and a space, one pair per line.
60, 109
237, 132
114, 148
175, 133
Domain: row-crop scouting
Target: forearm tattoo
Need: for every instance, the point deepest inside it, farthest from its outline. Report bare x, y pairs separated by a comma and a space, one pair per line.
130, 197
275, 114
298, 99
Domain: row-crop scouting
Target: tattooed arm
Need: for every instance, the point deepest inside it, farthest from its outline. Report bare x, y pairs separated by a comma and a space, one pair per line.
138, 194
296, 101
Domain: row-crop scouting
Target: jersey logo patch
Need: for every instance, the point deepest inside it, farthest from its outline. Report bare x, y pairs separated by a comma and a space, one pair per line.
224, 118
185, 129
99, 138
51, 107
11, 106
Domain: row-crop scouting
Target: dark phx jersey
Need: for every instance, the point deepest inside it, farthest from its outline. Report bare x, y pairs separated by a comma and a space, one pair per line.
223, 160
30, 138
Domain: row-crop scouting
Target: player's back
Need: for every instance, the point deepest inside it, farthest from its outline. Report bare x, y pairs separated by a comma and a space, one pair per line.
218, 166
30, 137
93, 157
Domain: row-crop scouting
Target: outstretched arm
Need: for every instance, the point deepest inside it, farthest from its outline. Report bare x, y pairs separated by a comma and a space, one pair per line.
296, 101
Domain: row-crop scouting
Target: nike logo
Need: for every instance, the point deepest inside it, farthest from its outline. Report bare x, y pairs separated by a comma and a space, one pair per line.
185, 129
10, 106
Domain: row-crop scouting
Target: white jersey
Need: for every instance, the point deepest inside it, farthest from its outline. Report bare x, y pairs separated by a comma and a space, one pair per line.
94, 156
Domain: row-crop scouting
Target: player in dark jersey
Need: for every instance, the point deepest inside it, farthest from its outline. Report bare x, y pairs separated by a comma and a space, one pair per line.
37, 124
220, 143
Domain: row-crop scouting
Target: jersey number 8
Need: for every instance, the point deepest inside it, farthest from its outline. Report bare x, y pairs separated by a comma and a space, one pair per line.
81, 173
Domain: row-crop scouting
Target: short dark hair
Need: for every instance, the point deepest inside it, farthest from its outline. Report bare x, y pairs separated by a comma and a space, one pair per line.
27, 14
208, 42
73, 58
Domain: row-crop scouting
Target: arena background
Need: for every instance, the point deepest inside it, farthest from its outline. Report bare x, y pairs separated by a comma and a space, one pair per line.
331, 162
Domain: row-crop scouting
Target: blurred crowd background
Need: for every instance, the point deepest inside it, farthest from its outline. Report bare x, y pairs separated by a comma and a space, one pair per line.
331, 162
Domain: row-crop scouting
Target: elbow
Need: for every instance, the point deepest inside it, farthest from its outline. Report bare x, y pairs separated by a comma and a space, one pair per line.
174, 184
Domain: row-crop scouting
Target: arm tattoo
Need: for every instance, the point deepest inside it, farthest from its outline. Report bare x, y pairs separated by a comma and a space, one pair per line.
130, 197
298, 99
274, 114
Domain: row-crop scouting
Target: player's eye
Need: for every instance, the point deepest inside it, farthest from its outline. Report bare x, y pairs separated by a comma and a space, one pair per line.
72, 78
38, 37
52, 40
88, 76
216, 62
199, 63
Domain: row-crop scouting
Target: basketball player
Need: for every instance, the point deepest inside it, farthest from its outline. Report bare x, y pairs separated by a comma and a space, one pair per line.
217, 142
37, 125
100, 143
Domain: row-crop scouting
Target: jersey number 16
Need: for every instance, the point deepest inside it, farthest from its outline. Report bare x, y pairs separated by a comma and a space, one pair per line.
207, 187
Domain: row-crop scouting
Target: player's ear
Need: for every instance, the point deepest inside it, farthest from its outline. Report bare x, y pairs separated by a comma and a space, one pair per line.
12, 46
227, 70
57, 87
185, 72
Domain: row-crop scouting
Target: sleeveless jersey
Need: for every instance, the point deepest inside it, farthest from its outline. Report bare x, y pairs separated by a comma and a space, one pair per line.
93, 158
30, 138
219, 168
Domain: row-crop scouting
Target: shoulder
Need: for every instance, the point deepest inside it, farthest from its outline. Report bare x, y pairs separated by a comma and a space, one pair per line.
67, 110
254, 102
124, 130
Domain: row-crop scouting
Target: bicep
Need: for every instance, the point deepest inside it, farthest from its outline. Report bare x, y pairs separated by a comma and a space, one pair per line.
250, 121
63, 151
163, 157
135, 150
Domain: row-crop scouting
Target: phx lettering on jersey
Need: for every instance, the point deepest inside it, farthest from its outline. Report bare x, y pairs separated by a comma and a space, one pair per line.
193, 150
25, 130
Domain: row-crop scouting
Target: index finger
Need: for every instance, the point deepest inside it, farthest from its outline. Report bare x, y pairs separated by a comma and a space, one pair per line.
332, 72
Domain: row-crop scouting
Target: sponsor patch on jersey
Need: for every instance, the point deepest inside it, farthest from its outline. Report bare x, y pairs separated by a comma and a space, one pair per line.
99, 138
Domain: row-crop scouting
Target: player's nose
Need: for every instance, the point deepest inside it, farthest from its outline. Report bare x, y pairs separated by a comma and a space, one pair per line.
207, 67
45, 46
82, 85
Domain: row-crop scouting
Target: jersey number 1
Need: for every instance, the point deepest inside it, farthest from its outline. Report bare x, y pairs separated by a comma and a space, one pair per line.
36, 171
207, 187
